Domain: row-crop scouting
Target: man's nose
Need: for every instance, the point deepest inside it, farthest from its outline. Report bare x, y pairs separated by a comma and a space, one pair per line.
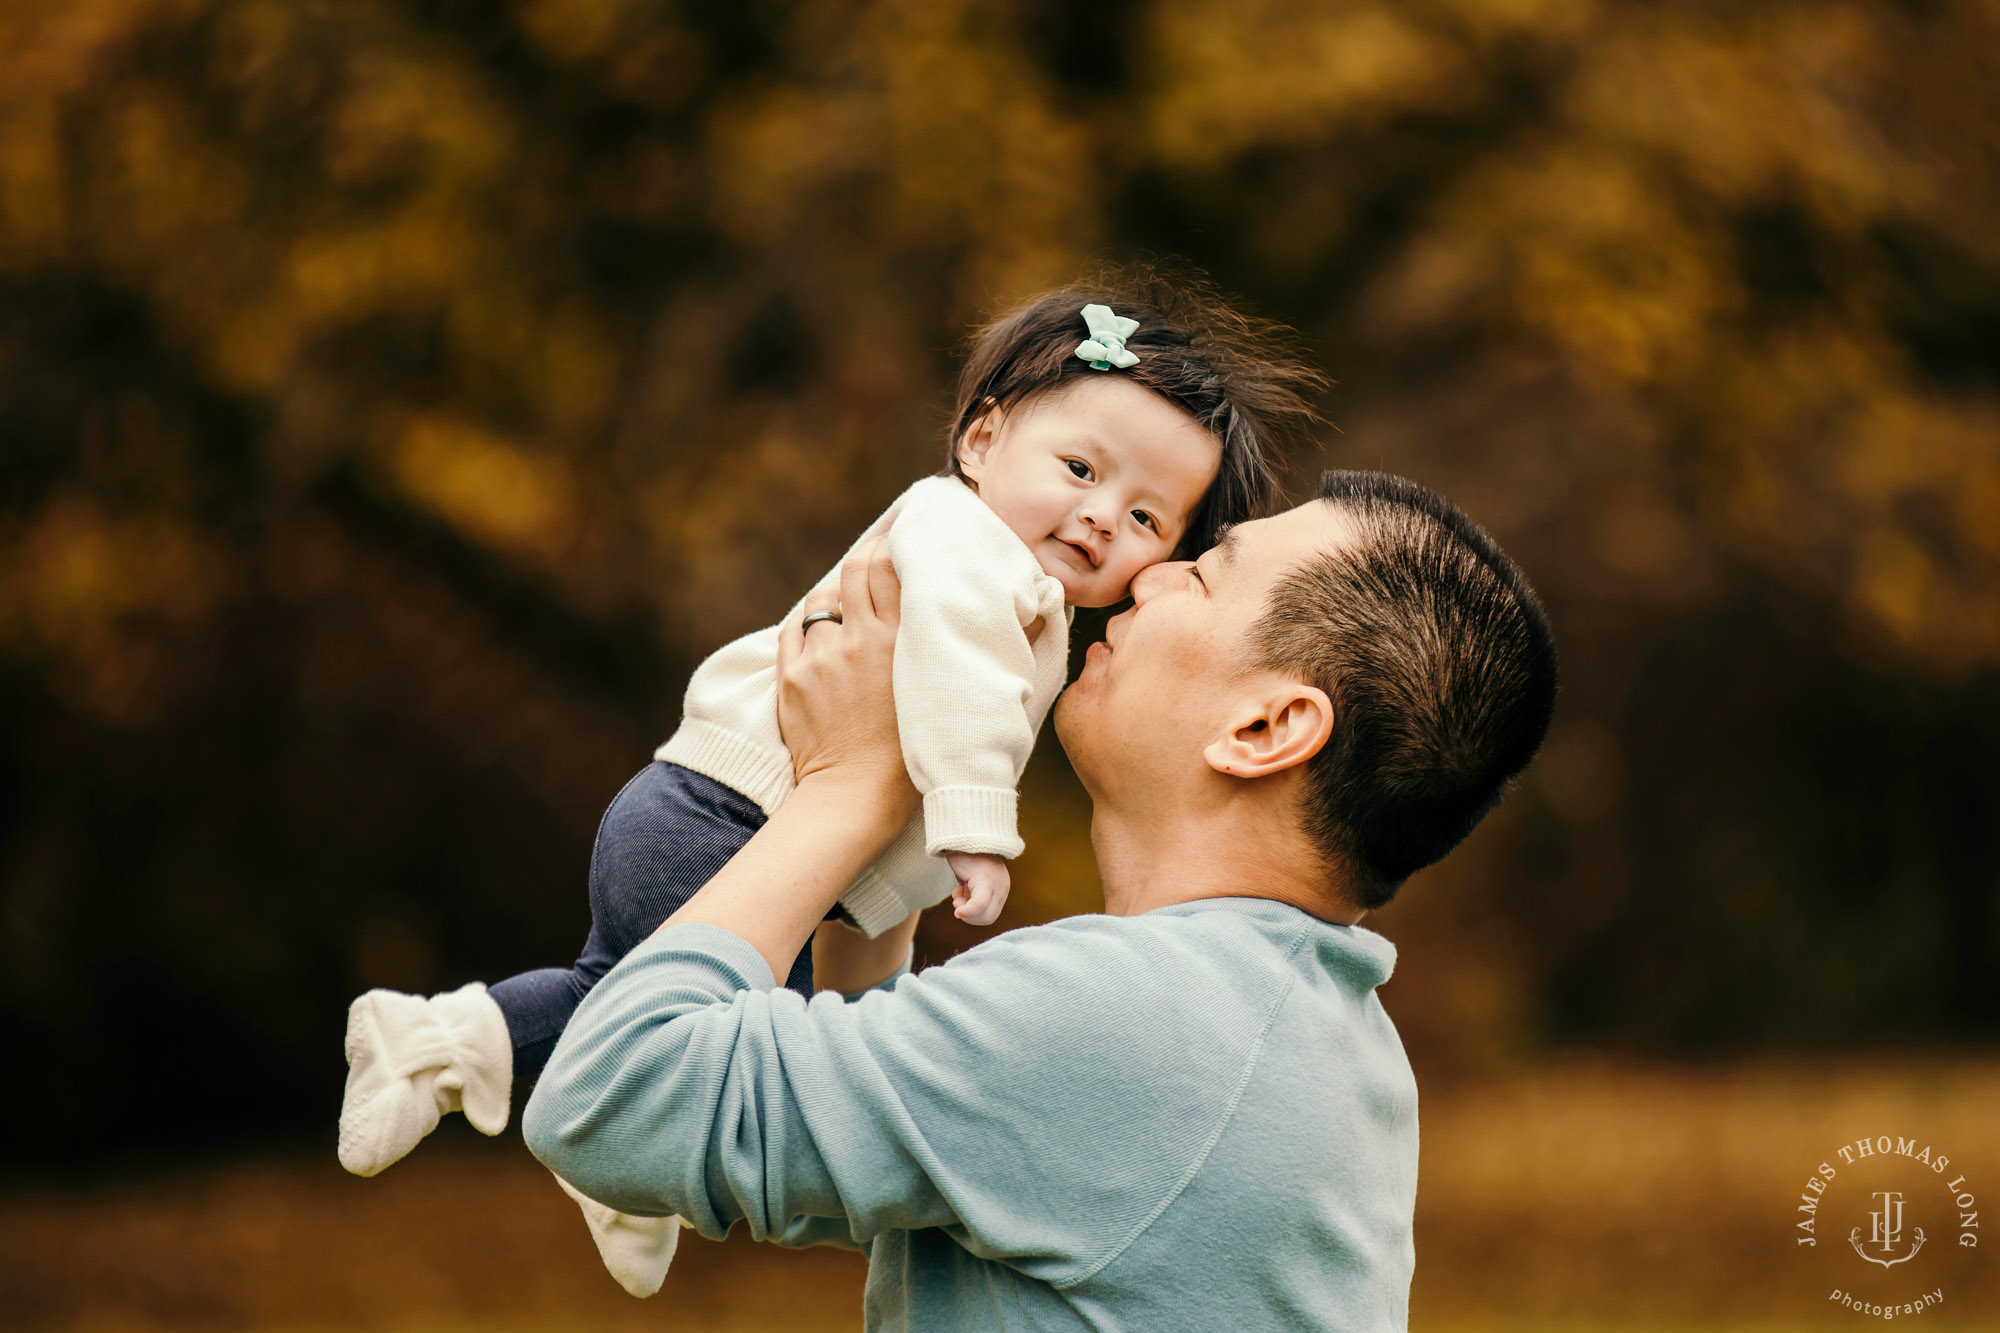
1153, 578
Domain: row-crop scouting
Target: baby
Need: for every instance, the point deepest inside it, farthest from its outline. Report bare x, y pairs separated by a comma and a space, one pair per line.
1099, 431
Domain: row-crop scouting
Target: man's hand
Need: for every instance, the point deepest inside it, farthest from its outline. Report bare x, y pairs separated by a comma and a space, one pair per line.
982, 886
838, 716
836, 711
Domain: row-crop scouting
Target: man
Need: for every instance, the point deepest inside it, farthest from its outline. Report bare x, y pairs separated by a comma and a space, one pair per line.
1190, 1112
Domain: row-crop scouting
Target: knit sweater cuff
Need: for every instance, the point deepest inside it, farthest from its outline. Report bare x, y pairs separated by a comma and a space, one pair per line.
737, 763
971, 819
874, 904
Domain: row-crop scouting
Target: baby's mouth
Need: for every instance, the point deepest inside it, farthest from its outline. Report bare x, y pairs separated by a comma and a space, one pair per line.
1082, 553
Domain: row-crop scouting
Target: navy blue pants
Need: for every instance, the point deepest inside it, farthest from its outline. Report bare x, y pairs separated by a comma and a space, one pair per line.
664, 836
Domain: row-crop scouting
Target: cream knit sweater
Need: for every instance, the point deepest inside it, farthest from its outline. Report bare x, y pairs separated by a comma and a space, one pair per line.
972, 678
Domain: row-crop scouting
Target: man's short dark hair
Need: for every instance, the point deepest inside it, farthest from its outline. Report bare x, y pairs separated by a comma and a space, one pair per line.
1442, 671
1240, 377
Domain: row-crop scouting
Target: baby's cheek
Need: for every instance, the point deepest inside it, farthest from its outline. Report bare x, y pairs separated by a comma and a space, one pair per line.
1136, 568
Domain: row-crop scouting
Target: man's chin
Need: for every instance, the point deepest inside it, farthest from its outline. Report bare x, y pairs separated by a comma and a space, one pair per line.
1065, 721
1078, 729
1063, 716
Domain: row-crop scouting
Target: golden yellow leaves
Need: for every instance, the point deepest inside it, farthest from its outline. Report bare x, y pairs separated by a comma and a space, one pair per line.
406, 259
1615, 226
573, 31
915, 125
338, 211
32, 214
1227, 76
90, 591
1595, 256
417, 114
495, 492
1844, 472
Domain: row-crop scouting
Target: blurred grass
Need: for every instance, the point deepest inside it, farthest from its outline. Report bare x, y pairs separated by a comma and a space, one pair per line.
1571, 1197
1596, 1194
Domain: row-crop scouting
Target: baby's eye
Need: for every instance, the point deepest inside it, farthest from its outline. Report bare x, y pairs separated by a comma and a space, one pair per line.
1079, 468
1146, 520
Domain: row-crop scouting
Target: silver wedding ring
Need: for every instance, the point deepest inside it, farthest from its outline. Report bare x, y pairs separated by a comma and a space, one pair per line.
818, 616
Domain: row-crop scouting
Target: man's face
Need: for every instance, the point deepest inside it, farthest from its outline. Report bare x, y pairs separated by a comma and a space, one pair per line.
1158, 691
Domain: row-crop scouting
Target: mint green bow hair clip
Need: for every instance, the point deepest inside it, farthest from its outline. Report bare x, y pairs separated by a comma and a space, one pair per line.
1105, 347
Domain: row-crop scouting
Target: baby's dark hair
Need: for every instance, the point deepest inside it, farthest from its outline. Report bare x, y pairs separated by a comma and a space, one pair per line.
1240, 377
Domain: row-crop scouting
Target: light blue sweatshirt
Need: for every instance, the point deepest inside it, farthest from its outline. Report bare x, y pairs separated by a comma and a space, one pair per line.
1198, 1118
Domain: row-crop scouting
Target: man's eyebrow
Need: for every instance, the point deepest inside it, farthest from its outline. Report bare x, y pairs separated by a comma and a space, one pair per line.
1225, 544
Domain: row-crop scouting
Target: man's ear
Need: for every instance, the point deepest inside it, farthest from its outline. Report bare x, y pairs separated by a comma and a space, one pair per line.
1280, 728
977, 443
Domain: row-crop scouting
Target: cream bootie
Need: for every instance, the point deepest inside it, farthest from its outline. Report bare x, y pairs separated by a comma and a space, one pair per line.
410, 1060
636, 1250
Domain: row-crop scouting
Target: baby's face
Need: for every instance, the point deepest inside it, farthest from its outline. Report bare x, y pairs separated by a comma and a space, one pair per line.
1098, 478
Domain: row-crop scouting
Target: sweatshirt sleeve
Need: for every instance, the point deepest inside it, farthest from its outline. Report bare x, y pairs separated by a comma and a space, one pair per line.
964, 669
993, 1096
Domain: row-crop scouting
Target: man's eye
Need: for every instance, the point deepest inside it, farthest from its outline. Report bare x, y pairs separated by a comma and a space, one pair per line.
1079, 467
1146, 520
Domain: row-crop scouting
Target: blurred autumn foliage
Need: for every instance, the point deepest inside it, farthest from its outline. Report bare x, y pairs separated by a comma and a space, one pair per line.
398, 398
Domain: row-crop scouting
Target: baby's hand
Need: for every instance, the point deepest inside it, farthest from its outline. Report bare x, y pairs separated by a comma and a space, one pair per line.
982, 886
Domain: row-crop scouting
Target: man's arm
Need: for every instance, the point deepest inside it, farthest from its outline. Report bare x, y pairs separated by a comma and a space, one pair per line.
689, 1083
1039, 1097
778, 889
853, 794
